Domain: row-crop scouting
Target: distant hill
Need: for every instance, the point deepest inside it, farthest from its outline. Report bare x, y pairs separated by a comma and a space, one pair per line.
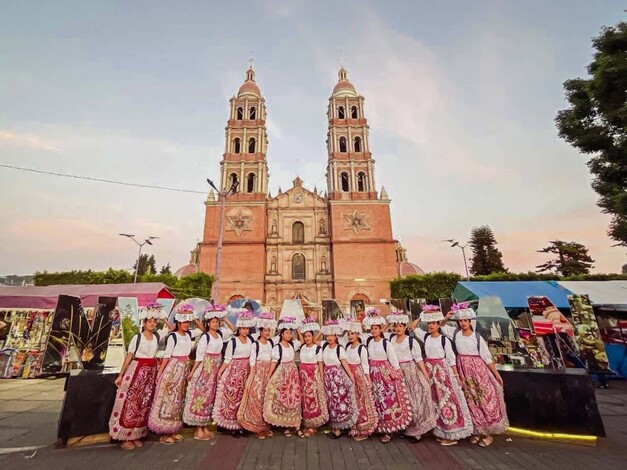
13, 280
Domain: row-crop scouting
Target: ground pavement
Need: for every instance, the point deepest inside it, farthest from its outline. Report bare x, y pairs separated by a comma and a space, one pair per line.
29, 410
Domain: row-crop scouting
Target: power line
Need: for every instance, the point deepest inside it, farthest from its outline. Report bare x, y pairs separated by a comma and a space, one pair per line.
101, 180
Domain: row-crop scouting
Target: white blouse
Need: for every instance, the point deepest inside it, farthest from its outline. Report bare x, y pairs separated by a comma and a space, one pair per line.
242, 350
404, 353
265, 352
329, 356
146, 350
183, 345
467, 345
433, 349
288, 352
376, 352
353, 357
207, 344
310, 354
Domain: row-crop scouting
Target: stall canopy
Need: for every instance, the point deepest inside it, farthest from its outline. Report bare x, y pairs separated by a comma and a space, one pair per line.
600, 292
46, 297
513, 294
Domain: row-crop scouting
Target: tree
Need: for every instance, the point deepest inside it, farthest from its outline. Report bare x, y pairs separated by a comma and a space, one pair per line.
624, 269
430, 286
572, 258
486, 257
165, 269
596, 124
147, 265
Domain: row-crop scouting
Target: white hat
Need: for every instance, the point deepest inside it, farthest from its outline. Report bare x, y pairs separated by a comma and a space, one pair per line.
373, 317
352, 325
185, 312
152, 310
398, 317
266, 320
431, 313
309, 324
463, 311
332, 327
287, 323
215, 311
245, 319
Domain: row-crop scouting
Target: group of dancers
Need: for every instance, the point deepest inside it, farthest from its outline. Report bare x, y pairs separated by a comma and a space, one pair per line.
357, 378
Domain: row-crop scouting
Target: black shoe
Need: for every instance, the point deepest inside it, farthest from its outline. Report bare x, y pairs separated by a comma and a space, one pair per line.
236, 434
402, 436
244, 433
332, 435
413, 439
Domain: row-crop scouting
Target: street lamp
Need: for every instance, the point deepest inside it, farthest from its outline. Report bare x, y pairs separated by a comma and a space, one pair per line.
222, 195
146, 241
463, 248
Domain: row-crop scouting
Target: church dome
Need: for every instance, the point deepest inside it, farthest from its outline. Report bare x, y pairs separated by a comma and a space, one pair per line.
249, 87
186, 270
344, 87
406, 268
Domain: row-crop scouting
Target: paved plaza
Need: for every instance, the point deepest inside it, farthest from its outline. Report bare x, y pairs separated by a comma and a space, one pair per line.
29, 410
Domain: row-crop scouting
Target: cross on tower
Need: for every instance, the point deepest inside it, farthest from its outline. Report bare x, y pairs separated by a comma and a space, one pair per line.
251, 60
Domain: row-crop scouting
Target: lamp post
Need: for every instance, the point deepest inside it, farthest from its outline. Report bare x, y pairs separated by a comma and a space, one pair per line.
454, 244
215, 291
141, 245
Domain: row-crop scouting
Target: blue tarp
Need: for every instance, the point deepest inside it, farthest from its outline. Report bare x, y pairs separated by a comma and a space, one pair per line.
513, 294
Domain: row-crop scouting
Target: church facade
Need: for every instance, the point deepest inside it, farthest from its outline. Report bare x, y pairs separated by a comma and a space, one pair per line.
300, 243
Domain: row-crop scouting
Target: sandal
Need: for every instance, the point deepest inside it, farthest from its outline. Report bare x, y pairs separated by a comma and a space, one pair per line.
334, 435
167, 440
138, 443
269, 433
127, 445
201, 437
486, 441
448, 442
385, 438
261, 435
178, 437
360, 438
287, 433
474, 439
300, 434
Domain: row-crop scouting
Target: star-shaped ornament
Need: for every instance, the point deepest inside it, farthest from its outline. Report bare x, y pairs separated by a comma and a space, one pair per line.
239, 222
356, 221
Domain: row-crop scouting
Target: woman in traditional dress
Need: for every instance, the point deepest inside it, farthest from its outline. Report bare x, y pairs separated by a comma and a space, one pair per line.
203, 378
250, 414
233, 374
338, 381
391, 395
453, 417
136, 382
357, 358
166, 414
409, 357
282, 403
311, 370
482, 383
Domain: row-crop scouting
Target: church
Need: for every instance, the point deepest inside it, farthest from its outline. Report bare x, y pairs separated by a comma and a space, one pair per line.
301, 243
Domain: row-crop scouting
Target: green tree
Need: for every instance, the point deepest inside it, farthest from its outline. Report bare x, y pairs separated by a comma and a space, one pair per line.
572, 258
624, 269
194, 285
596, 124
486, 257
430, 286
165, 269
147, 265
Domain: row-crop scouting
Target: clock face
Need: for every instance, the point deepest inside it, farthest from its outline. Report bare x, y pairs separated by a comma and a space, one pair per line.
297, 197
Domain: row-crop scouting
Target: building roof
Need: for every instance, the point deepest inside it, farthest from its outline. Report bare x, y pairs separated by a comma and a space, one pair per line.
405, 268
46, 297
344, 87
187, 270
513, 294
249, 87
600, 292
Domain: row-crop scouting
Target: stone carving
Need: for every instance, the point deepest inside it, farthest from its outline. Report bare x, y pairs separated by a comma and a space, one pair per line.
323, 227
239, 221
356, 221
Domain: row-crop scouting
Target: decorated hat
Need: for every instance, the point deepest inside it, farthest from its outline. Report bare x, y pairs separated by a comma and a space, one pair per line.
215, 311
266, 320
245, 319
288, 323
463, 311
373, 317
398, 317
332, 327
351, 324
185, 312
431, 313
152, 310
309, 324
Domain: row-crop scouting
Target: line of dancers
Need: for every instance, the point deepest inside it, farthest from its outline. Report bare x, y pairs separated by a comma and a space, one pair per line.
357, 378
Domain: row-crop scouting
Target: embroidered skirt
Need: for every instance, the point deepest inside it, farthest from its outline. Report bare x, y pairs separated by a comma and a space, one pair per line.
282, 403
166, 413
201, 392
391, 397
250, 414
230, 392
366, 412
314, 401
453, 418
340, 395
420, 395
484, 396
129, 418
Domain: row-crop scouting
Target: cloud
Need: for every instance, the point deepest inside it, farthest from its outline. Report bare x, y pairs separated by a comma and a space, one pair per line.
13, 139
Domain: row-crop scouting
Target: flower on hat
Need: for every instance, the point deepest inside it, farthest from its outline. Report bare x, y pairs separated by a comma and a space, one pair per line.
185, 308
429, 308
460, 306
372, 311
215, 308
154, 306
